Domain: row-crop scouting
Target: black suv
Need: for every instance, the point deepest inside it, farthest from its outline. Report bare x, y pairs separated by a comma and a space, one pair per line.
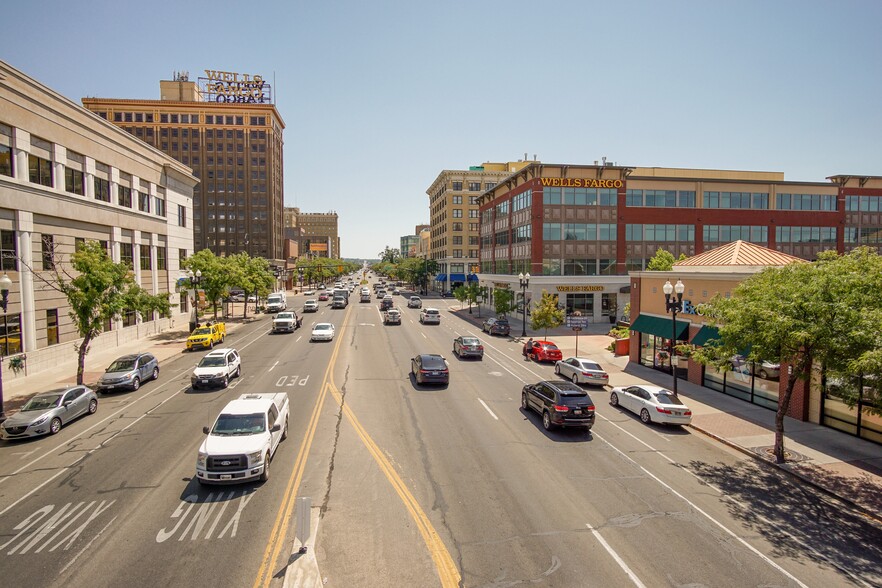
561, 404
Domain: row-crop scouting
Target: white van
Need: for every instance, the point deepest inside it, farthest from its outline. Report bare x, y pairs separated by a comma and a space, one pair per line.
276, 302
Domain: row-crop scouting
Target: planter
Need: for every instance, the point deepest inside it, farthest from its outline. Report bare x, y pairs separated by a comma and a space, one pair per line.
623, 346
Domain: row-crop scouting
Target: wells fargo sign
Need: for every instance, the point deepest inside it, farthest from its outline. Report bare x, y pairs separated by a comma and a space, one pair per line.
225, 86
580, 288
581, 183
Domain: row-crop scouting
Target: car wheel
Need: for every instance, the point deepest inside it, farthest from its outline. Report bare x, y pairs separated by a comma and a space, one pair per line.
763, 374
546, 421
557, 369
155, 373
93, 406
644, 416
226, 382
285, 430
524, 404
614, 399
575, 378
238, 370
136, 383
264, 475
55, 426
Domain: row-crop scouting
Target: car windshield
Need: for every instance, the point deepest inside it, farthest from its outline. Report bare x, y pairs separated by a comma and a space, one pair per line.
42, 402
202, 331
322, 328
285, 315
211, 361
239, 424
122, 365
272, 299
668, 398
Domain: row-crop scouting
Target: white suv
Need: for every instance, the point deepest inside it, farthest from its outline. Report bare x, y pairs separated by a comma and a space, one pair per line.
217, 369
430, 315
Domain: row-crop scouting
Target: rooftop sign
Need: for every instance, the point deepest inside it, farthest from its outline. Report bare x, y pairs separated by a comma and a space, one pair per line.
225, 86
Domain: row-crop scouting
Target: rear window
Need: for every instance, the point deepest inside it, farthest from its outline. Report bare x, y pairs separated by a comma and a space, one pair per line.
668, 399
591, 366
550, 347
431, 312
575, 399
433, 363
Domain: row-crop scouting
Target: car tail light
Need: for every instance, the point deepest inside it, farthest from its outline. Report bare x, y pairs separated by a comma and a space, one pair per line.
663, 410
480, 348
688, 413
589, 407
558, 408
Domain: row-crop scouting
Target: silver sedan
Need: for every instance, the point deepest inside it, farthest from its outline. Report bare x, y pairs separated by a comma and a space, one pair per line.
47, 412
581, 371
654, 404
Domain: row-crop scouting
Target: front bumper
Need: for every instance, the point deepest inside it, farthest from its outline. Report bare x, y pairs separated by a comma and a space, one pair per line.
283, 328
202, 382
198, 344
24, 431
233, 477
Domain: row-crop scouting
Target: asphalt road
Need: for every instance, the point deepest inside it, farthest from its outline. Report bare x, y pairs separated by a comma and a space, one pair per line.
415, 485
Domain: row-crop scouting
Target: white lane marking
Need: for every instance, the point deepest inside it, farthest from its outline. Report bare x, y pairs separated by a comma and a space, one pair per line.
488, 409
723, 527
616, 557
273, 366
497, 362
86, 547
424, 335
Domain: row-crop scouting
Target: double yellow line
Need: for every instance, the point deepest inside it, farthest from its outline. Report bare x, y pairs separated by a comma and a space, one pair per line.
448, 574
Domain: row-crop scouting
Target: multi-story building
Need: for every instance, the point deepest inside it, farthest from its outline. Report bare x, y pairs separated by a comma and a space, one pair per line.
234, 146
318, 232
578, 229
66, 176
453, 218
409, 245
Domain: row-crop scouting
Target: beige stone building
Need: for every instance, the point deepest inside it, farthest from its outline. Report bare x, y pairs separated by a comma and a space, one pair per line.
67, 176
317, 232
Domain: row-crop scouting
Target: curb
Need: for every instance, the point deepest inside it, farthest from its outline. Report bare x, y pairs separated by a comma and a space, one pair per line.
862, 510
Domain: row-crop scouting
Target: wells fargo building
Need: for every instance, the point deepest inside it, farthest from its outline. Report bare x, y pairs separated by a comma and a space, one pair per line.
579, 229
228, 131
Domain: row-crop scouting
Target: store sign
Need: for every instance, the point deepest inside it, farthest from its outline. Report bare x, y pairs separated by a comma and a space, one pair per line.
581, 183
580, 288
697, 309
225, 86
501, 285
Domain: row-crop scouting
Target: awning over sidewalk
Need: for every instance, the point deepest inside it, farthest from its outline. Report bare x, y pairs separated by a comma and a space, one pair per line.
441, 278
705, 334
659, 326
457, 277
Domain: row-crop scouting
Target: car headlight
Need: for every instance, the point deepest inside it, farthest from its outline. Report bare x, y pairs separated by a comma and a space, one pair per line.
40, 420
200, 461
129, 376
255, 457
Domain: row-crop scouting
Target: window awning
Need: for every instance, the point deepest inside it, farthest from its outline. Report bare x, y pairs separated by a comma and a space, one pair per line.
457, 277
659, 326
441, 278
473, 278
705, 334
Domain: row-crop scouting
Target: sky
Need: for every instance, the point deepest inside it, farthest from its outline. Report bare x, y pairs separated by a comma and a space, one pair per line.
379, 97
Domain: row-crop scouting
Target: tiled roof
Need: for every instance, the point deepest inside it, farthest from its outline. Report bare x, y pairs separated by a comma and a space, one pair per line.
740, 253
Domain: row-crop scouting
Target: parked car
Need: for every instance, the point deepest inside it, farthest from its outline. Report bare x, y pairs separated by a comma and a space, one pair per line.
763, 369
561, 404
496, 326
581, 371
217, 369
47, 412
128, 372
322, 332
653, 403
430, 315
324, 297
468, 347
544, 351
430, 368
415, 302
310, 306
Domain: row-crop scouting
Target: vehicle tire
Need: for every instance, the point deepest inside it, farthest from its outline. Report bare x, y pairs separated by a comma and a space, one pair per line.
614, 399
226, 382
136, 383
524, 403
93, 406
55, 426
238, 370
575, 379
211, 344
546, 421
644, 416
155, 373
557, 369
285, 430
194, 387
264, 475
763, 374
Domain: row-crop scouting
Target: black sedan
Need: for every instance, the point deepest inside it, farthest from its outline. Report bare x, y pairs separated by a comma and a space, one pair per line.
496, 326
428, 368
561, 404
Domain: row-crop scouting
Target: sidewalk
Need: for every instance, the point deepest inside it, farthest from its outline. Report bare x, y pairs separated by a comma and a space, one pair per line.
837, 463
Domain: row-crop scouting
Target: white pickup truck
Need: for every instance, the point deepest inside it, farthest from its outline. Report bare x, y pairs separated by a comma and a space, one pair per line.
243, 439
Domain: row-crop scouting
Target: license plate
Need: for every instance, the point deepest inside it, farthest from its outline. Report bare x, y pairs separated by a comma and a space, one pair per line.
226, 476
203, 381
577, 411
434, 374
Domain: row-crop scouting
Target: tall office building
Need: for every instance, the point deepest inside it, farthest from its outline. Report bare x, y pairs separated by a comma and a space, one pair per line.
226, 128
318, 232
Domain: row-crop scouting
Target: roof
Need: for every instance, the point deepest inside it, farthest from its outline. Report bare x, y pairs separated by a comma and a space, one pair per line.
739, 254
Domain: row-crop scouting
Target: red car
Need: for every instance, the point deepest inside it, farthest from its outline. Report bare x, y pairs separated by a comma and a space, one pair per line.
544, 351
324, 296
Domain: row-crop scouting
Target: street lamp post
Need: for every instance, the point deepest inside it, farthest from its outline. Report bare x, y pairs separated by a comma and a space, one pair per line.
673, 305
300, 273
5, 286
525, 281
195, 279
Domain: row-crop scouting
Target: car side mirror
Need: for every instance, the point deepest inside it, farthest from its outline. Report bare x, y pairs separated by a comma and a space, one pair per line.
276, 428
205, 430
66, 403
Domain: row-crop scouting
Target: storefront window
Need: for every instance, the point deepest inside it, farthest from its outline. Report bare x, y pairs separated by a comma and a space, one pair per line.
583, 303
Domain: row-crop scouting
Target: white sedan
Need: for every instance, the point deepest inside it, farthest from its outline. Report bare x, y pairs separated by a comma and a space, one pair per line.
322, 332
309, 293
654, 404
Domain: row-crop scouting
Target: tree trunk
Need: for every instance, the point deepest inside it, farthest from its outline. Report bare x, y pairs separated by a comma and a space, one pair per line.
783, 406
81, 358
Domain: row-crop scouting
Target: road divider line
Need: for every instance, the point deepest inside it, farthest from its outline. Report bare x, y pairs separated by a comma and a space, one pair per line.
616, 557
488, 409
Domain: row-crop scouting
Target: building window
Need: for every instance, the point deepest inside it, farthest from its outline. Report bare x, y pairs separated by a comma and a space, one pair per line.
457, 186
74, 181
47, 248
182, 255
10, 334
52, 327
729, 233
161, 263
457, 213
863, 203
474, 186
825, 235
40, 170
102, 190
740, 200
6, 160
126, 254
124, 196
182, 216
825, 202
8, 251
144, 201
130, 317
159, 206
457, 199
457, 226
457, 253
145, 258
656, 233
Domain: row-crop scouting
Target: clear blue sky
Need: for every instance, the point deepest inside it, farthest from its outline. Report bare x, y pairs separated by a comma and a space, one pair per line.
380, 96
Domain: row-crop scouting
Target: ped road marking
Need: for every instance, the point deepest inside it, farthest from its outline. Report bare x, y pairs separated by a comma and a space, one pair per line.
488, 409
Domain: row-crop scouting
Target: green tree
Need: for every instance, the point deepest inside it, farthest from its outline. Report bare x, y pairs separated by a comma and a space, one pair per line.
663, 261
502, 299
461, 294
546, 315
215, 280
101, 290
825, 313
472, 293
389, 255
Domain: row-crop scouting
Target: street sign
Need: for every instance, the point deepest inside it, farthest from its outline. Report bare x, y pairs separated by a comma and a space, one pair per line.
577, 329
574, 321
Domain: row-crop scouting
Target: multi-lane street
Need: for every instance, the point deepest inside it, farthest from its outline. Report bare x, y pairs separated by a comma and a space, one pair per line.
415, 485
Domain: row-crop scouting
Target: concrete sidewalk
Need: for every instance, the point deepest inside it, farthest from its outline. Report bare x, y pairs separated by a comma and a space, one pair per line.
839, 464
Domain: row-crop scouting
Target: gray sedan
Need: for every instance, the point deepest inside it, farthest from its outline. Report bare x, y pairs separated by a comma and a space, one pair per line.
47, 412
581, 371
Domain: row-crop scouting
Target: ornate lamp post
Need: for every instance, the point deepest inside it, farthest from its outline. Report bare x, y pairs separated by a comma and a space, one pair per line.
195, 279
525, 281
5, 286
300, 273
673, 305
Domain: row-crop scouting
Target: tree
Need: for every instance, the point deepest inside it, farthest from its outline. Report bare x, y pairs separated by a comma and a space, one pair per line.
502, 298
663, 261
101, 291
461, 294
826, 312
546, 314
389, 254
473, 294
215, 280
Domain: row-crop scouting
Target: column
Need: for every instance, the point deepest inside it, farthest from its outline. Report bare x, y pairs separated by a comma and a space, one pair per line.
24, 227
89, 172
21, 147
59, 158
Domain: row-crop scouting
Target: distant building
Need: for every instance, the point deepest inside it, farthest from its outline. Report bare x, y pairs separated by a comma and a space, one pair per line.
229, 132
409, 245
318, 232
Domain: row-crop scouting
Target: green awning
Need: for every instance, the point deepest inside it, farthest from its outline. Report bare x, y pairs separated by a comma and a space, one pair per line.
705, 334
659, 326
